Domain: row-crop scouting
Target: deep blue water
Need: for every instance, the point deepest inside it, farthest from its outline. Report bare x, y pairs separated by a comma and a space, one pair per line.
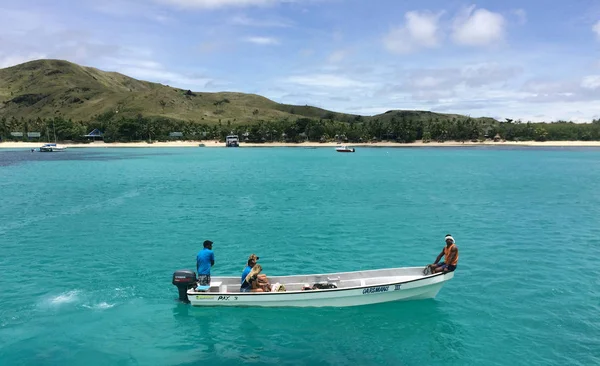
91, 237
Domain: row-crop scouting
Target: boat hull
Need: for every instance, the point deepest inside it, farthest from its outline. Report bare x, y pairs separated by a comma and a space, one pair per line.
52, 148
426, 287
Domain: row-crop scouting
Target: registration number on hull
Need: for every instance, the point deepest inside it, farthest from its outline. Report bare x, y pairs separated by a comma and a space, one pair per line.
380, 289
227, 298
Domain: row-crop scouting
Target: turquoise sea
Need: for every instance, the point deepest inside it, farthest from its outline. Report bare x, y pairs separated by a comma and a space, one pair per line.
90, 238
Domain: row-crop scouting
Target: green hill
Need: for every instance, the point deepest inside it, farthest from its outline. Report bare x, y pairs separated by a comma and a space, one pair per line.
48, 88
425, 116
51, 88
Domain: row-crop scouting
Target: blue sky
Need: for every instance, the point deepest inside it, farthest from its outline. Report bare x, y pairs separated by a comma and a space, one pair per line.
530, 60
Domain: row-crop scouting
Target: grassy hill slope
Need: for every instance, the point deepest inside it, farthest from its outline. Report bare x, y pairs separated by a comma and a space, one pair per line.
49, 88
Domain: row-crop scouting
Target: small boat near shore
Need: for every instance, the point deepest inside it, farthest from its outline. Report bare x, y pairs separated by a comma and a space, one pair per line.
344, 149
52, 148
232, 141
340, 289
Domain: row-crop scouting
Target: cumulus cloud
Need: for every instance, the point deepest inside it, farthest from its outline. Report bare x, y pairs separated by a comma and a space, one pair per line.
591, 82
596, 29
244, 20
585, 89
421, 30
478, 27
263, 41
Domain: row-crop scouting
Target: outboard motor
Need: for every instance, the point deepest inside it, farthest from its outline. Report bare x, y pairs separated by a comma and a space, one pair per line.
184, 279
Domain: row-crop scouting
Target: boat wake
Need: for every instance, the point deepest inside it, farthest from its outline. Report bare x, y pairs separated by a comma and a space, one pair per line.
100, 299
64, 298
100, 306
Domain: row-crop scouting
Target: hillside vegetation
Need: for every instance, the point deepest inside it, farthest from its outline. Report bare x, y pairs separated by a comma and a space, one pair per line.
51, 88
56, 97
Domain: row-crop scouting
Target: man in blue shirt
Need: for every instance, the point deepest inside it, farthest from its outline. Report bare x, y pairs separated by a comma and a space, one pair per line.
204, 260
251, 262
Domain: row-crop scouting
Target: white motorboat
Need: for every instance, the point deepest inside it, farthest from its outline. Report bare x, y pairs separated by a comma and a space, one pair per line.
52, 148
232, 141
344, 148
316, 290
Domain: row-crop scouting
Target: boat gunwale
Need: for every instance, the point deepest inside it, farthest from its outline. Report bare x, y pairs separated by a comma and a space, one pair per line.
206, 293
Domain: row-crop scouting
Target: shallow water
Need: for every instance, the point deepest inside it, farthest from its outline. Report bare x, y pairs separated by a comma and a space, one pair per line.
91, 237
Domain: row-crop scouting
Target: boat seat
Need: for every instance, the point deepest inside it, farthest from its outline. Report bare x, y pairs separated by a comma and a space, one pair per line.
213, 285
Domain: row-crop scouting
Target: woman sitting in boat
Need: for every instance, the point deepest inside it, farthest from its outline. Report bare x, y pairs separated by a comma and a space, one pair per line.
255, 281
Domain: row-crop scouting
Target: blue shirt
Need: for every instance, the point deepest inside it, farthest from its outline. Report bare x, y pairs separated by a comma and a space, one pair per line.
203, 261
245, 273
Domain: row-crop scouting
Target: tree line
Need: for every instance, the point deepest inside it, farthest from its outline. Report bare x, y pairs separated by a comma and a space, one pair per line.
398, 128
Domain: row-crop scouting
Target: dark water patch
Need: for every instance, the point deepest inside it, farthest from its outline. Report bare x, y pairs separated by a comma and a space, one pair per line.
15, 157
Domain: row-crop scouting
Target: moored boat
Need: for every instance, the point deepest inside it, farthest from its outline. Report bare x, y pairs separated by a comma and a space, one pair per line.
344, 148
232, 141
316, 290
52, 148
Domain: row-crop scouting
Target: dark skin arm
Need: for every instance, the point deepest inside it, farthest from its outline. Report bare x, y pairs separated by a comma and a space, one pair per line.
439, 257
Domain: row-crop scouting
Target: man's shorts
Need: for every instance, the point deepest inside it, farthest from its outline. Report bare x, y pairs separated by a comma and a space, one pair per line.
203, 280
448, 267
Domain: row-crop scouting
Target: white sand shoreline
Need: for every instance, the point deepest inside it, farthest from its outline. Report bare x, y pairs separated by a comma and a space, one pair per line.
212, 143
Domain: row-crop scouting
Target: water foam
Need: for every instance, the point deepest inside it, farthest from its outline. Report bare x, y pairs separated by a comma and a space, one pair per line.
65, 298
101, 306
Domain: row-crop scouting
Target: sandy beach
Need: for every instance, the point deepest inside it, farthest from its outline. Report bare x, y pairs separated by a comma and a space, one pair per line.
212, 143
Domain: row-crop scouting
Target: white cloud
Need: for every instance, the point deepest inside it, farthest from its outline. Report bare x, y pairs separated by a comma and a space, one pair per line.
251, 22
479, 27
434, 84
596, 29
262, 40
326, 81
591, 82
420, 30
